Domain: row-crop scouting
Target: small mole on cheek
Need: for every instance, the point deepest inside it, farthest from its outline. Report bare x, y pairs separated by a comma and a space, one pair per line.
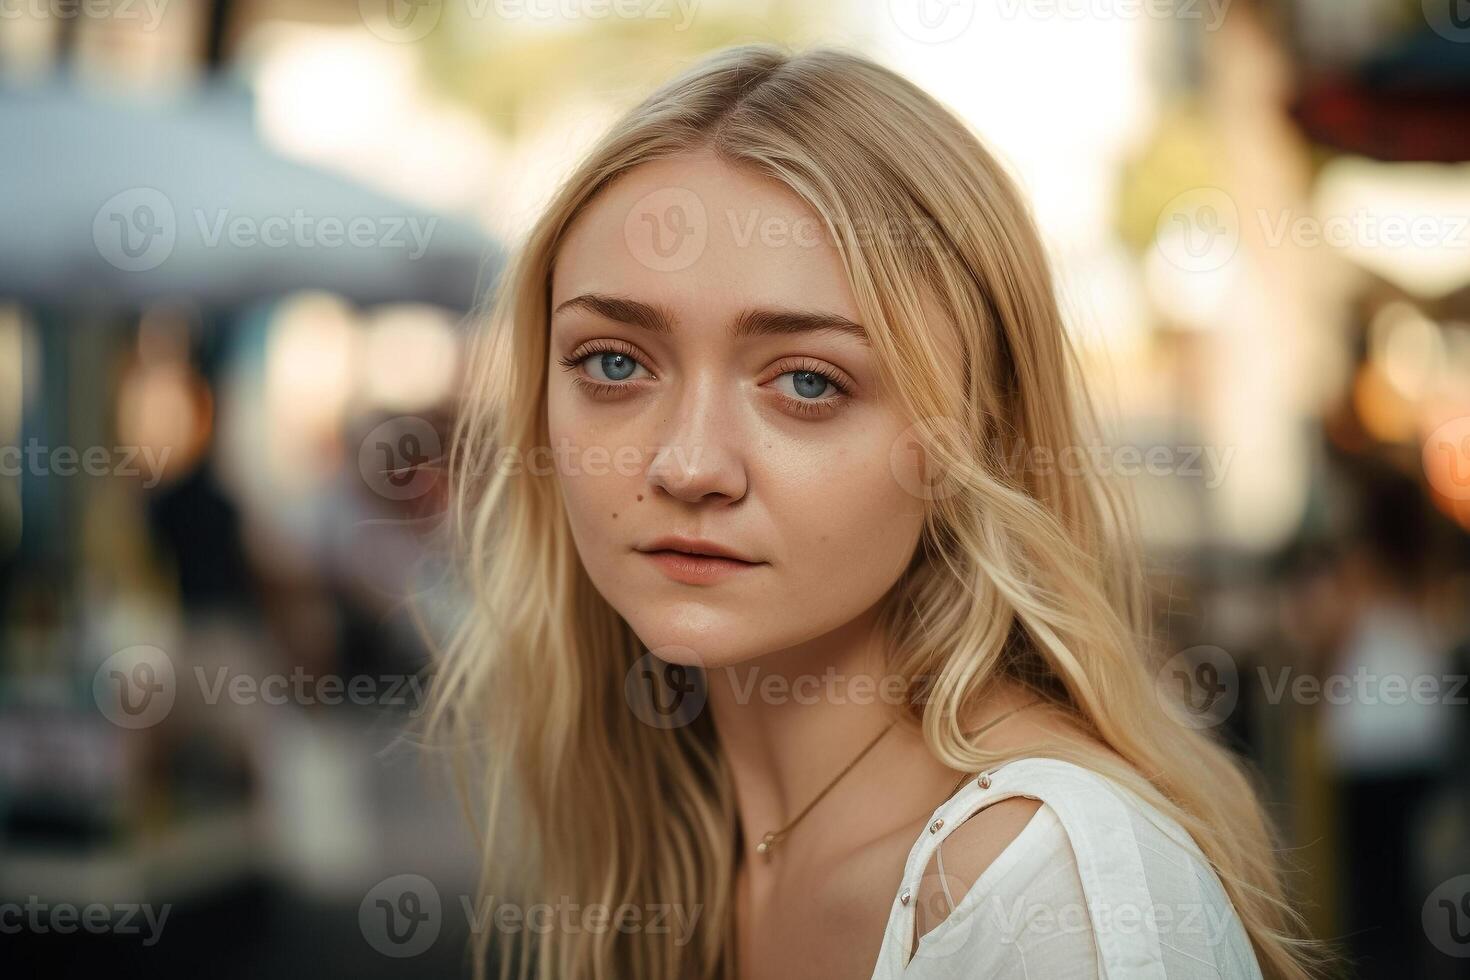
640, 496
615, 515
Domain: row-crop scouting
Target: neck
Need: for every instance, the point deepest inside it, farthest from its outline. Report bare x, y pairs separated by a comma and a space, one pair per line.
789, 721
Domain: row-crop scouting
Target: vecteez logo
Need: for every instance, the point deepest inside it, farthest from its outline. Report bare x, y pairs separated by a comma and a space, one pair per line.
1199, 230
399, 458
667, 691
1450, 19
138, 229
667, 229
401, 916
400, 21
932, 21
1198, 687
135, 230
1446, 917
135, 687
1447, 458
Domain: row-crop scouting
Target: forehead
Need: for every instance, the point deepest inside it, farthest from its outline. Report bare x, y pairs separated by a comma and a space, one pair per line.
704, 239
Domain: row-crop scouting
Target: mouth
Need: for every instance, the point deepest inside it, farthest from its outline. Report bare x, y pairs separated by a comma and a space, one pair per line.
696, 562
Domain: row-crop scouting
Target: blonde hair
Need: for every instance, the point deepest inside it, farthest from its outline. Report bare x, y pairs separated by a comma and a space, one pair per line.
1032, 574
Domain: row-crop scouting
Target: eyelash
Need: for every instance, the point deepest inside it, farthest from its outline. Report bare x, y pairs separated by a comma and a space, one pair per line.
599, 389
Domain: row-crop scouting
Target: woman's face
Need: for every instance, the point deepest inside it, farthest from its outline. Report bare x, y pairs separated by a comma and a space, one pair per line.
709, 380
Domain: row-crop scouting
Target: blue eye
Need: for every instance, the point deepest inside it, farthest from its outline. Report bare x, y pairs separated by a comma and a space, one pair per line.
616, 366
808, 384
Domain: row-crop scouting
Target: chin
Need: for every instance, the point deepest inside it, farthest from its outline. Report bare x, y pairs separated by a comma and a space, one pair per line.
701, 640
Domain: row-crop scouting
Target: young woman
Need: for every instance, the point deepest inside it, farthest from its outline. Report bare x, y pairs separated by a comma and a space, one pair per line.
782, 578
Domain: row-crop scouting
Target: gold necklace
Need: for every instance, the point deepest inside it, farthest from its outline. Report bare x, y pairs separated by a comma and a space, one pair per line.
987, 727
773, 837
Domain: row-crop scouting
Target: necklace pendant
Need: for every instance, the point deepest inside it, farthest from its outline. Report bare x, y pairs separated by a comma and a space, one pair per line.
765, 845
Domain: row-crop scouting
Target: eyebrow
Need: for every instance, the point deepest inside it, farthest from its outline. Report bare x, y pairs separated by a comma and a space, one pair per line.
750, 323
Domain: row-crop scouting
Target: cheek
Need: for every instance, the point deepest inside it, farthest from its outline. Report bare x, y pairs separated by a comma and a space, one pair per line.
849, 527
597, 470
563, 423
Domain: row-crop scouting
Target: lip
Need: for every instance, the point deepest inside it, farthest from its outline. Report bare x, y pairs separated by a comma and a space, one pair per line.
697, 569
695, 546
694, 561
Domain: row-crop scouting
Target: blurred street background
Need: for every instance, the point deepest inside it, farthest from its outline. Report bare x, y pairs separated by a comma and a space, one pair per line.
240, 243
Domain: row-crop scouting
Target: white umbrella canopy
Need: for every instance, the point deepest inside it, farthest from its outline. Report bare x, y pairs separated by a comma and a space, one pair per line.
109, 203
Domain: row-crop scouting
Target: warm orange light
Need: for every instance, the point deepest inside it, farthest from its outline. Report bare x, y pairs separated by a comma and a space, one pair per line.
1385, 414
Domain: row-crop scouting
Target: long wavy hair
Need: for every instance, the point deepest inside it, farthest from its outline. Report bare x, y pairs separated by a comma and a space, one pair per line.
1031, 573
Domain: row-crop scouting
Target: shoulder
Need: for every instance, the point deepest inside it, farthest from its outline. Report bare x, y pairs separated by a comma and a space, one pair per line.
1114, 837
1067, 865
1002, 896
966, 853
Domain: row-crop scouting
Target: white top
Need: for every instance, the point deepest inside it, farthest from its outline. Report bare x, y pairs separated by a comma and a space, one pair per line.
1098, 884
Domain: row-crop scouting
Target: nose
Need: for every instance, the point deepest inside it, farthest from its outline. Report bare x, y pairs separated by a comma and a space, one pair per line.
699, 458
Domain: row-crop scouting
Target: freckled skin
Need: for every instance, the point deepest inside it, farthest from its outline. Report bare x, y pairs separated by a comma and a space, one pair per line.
816, 498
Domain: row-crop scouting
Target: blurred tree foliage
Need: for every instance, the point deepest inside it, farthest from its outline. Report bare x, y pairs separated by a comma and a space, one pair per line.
1182, 154
512, 70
